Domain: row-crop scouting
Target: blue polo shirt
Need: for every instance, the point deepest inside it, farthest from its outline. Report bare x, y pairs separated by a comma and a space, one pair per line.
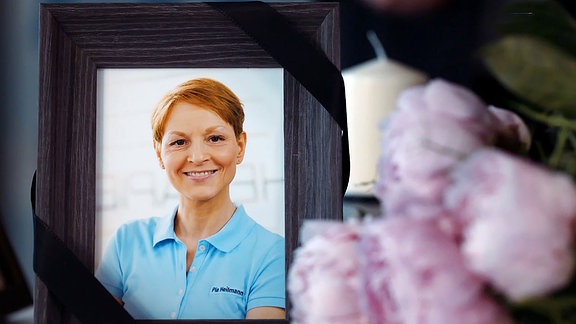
239, 268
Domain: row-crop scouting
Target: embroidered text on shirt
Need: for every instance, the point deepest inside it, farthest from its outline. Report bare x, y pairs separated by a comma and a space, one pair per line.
227, 290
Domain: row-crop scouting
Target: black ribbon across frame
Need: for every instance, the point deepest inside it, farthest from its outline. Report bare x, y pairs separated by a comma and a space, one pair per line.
301, 58
69, 280
72, 283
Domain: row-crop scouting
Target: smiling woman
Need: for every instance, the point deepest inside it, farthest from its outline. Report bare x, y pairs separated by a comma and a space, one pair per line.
207, 259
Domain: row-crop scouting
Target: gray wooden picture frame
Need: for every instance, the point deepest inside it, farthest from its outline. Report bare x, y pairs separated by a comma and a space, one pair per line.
79, 39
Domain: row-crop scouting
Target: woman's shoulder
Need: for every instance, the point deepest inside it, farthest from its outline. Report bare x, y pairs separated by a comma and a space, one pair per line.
141, 222
265, 240
254, 230
138, 227
264, 247
266, 234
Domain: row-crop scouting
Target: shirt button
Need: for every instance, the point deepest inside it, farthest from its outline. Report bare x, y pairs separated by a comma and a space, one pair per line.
193, 269
181, 292
202, 248
173, 315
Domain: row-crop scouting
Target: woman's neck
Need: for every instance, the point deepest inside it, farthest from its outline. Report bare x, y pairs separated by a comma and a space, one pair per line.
198, 220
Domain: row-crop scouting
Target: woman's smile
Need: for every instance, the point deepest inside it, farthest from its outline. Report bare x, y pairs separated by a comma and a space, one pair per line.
199, 175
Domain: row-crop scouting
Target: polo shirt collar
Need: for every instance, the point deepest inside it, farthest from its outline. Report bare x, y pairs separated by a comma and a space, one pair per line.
234, 232
237, 228
165, 228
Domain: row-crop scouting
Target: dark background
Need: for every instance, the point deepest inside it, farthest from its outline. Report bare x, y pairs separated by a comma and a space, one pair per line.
442, 43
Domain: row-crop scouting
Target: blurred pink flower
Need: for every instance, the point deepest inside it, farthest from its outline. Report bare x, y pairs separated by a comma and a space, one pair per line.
459, 215
418, 151
413, 272
324, 278
517, 218
513, 133
434, 127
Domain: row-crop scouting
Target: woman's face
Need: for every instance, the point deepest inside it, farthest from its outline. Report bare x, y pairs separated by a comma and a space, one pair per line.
200, 151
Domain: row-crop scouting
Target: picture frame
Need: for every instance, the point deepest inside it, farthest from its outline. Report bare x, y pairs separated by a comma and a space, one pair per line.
79, 39
14, 291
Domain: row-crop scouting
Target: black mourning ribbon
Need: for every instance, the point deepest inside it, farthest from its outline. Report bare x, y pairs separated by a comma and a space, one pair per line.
70, 281
300, 57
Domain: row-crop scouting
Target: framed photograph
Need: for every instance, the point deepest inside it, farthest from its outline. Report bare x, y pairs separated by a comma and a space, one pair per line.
14, 292
129, 181
86, 48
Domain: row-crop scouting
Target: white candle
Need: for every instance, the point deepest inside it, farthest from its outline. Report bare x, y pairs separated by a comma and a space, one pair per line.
372, 89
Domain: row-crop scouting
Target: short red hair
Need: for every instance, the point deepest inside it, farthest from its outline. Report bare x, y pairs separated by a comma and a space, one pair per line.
206, 93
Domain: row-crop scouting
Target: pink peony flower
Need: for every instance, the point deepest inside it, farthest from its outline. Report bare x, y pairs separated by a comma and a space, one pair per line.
324, 278
413, 272
513, 133
458, 216
517, 220
418, 151
434, 127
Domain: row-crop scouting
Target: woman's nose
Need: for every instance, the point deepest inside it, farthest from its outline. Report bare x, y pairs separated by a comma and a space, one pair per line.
197, 153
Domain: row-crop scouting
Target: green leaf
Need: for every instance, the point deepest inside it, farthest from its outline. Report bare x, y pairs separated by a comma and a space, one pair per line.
547, 20
534, 70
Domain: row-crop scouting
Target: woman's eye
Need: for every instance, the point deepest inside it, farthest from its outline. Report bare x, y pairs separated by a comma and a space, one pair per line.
179, 142
215, 139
